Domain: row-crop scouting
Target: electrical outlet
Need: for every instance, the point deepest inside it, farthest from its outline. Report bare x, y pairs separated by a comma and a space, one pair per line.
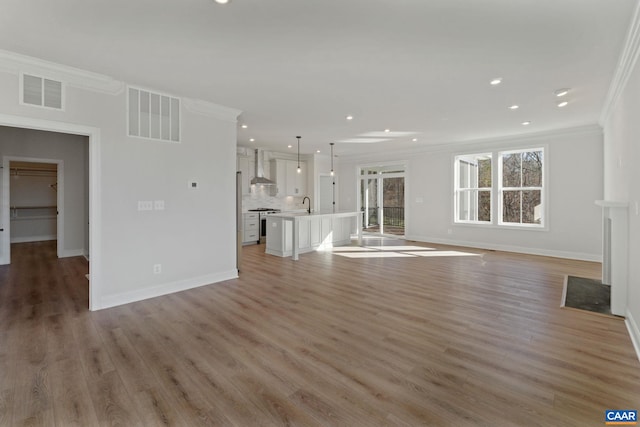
157, 268
449, 231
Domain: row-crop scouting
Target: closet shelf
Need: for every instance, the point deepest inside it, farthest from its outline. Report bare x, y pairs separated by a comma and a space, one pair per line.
34, 207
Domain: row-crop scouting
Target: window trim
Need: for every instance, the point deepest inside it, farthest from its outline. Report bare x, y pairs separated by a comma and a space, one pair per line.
496, 188
457, 189
500, 189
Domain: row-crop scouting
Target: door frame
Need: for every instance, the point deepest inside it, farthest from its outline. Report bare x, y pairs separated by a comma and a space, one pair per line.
360, 178
5, 257
95, 237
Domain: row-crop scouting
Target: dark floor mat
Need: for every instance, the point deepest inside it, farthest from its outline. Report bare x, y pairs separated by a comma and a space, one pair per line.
587, 294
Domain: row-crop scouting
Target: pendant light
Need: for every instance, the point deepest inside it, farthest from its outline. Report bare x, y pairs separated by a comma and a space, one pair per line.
299, 168
331, 144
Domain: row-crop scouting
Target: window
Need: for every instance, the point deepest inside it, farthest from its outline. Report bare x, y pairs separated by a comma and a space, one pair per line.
154, 116
508, 193
521, 187
473, 188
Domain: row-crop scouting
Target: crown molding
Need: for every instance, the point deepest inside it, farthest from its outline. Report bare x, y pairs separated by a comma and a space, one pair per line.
16, 63
210, 109
626, 65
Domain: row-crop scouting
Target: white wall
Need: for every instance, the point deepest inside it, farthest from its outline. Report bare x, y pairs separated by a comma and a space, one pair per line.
574, 182
622, 181
194, 237
16, 142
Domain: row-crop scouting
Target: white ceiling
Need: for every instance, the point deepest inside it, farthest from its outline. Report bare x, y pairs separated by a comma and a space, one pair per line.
298, 67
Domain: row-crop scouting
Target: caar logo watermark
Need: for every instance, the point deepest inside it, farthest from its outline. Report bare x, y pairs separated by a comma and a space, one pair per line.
621, 417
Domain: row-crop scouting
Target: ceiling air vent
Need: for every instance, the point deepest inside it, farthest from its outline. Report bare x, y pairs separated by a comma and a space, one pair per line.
41, 92
152, 115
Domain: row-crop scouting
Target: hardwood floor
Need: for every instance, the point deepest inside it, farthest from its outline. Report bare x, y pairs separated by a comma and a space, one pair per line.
395, 334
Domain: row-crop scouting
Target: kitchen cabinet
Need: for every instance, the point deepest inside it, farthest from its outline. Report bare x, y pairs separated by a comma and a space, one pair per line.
289, 181
246, 165
251, 228
291, 234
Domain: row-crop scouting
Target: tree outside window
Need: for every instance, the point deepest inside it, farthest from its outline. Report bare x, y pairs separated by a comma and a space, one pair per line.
518, 190
473, 188
521, 191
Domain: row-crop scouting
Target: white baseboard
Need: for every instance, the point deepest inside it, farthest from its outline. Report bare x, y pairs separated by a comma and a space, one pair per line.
164, 289
509, 248
28, 239
72, 252
634, 331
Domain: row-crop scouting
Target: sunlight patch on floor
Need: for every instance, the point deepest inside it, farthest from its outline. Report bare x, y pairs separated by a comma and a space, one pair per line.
349, 249
395, 251
442, 253
376, 254
401, 248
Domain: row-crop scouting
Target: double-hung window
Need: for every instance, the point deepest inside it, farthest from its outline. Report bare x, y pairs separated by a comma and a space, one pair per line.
502, 188
521, 187
473, 188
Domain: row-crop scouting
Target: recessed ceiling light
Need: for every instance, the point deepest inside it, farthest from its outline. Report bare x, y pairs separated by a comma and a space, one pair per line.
289, 146
222, 1
251, 139
563, 104
527, 123
496, 81
561, 92
317, 151
514, 107
244, 126
414, 139
387, 130
349, 117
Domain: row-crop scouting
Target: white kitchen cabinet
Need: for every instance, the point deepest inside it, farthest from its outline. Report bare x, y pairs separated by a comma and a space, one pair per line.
246, 165
290, 234
285, 174
251, 228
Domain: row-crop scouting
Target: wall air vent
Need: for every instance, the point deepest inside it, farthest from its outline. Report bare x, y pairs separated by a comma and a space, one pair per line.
153, 116
41, 92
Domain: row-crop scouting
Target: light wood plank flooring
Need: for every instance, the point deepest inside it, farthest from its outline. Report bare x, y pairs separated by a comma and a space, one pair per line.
396, 334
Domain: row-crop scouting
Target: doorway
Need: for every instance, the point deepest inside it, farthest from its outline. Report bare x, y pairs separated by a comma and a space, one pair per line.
91, 137
382, 201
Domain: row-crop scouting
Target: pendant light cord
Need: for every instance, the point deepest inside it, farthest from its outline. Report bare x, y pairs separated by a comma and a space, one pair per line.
299, 153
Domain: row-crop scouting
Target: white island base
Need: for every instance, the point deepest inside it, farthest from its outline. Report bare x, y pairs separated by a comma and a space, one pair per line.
293, 234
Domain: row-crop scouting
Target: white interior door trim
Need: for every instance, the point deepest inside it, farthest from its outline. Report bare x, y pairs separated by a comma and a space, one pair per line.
95, 221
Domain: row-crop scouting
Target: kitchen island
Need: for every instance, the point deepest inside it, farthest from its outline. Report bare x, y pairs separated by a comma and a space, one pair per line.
290, 234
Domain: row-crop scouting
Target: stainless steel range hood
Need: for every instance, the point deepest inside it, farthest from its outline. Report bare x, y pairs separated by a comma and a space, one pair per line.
259, 177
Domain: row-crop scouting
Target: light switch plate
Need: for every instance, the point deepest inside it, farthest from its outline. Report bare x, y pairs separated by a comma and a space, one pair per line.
145, 205
158, 205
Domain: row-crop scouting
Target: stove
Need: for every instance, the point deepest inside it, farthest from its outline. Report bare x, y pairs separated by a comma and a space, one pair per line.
266, 210
263, 213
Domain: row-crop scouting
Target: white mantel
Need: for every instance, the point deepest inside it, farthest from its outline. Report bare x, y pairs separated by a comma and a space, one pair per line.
615, 251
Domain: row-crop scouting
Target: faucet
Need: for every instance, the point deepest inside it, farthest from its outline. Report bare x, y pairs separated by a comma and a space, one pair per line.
309, 208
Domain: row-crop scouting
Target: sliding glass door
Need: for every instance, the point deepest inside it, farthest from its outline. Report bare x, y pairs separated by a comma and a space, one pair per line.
382, 199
